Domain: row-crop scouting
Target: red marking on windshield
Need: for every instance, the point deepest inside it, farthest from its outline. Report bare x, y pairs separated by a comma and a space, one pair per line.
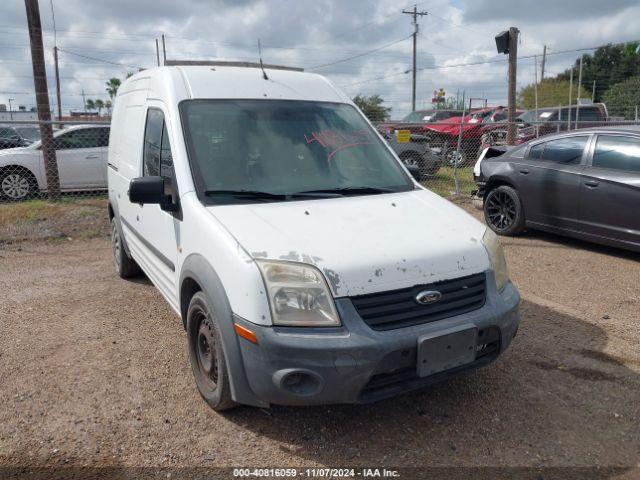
336, 141
348, 145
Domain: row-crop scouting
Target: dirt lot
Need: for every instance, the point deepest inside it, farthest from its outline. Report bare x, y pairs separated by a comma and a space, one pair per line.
94, 372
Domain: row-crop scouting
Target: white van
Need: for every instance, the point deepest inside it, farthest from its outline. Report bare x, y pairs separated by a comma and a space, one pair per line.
307, 266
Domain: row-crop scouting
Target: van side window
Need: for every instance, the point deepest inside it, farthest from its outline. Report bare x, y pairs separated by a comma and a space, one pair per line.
152, 142
157, 151
166, 160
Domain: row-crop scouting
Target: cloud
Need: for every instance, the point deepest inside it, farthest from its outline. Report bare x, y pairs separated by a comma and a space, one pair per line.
544, 11
309, 33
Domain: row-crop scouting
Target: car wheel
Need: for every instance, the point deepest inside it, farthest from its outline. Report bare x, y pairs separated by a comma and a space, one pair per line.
207, 356
125, 266
414, 158
455, 158
17, 184
503, 211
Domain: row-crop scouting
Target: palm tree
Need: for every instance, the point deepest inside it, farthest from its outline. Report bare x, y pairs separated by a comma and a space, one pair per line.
89, 105
108, 106
112, 87
99, 105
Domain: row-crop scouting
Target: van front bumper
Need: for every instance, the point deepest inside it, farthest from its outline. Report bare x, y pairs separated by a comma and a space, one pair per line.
356, 364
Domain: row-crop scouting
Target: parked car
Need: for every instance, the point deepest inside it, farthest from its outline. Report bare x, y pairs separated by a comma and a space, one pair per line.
444, 135
307, 266
584, 183
81, 154
20, 136
415, 152
555, 120
415, 121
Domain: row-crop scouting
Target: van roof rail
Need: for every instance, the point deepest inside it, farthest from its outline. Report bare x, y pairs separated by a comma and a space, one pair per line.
224, 63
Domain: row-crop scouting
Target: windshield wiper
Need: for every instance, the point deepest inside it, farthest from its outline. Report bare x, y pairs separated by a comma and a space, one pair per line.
252, 194
352, 190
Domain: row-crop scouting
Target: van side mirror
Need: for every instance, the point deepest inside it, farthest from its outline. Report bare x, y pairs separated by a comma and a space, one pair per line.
414, 170
151, 190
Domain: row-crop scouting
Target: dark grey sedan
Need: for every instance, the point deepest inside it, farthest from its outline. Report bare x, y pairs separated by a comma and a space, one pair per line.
584, 184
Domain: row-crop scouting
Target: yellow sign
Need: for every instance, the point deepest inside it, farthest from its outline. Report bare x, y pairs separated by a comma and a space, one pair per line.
403, 136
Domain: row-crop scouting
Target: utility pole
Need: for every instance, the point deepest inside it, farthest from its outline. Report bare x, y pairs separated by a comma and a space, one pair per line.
164, 52
157, 52
10, 108
544, 61
570, 98
578, 94
84, 103
415, 15
55, 59
513, 67
42, 97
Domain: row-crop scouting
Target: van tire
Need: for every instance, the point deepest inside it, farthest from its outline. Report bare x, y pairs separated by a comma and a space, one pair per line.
206, 354
125, 266
503, 211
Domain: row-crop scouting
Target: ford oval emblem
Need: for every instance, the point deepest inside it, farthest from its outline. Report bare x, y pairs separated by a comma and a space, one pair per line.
427, 297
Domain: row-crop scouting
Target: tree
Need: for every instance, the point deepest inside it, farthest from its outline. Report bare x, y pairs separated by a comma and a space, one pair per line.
623, 99
99, 105
607, 66
90, 105
372, 107
108, 106
112, 86
451, 103
552, 92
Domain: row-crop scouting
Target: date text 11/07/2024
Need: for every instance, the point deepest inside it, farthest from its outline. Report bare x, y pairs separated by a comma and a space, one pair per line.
316, 473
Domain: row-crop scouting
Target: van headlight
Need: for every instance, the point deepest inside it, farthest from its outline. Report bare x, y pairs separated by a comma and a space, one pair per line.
496, 257
298, 294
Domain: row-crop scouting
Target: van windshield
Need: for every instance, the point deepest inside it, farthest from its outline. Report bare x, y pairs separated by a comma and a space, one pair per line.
272, 150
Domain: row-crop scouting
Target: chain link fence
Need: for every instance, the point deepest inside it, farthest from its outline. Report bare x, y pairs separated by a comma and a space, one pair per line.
52, 160
72, 163
446, 151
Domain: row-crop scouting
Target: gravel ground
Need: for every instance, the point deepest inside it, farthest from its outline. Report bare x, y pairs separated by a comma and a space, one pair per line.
94, 372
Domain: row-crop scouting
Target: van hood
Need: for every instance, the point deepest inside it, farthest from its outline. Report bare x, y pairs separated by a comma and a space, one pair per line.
364, 244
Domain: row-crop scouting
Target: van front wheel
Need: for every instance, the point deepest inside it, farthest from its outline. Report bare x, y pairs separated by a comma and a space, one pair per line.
125, 266
206, 354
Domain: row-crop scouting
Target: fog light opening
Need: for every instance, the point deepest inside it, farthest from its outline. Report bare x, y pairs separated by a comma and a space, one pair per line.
300, 383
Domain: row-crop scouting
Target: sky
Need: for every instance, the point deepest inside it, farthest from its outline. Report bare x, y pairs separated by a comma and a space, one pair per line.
363, 46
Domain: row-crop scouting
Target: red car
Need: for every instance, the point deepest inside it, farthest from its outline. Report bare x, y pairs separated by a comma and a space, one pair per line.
416, 121
470, 129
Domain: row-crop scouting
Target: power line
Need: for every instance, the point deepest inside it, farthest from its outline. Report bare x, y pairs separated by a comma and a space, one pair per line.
99, 59
360, 55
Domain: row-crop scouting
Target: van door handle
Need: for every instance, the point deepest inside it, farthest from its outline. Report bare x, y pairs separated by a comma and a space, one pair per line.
91, 156
524, 171
591, 183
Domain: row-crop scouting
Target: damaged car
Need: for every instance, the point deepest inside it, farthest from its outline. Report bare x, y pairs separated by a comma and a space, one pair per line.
305, 262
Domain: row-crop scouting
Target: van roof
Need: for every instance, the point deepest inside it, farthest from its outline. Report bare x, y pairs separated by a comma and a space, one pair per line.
183, 82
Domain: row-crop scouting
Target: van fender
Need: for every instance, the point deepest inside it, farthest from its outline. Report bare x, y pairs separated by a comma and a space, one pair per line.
196, 268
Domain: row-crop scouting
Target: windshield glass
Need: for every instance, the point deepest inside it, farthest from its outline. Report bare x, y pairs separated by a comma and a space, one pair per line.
30, 133
418, 116
285, 147
530, 115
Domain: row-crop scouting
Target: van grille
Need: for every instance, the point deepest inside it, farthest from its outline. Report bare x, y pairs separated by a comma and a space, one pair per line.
398, 308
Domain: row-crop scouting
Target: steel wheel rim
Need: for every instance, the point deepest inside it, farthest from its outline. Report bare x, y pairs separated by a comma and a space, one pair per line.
501, 210
15, 186
206, 350
115, 245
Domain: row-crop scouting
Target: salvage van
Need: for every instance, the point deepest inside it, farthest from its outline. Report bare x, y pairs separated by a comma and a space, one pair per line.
306, 264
